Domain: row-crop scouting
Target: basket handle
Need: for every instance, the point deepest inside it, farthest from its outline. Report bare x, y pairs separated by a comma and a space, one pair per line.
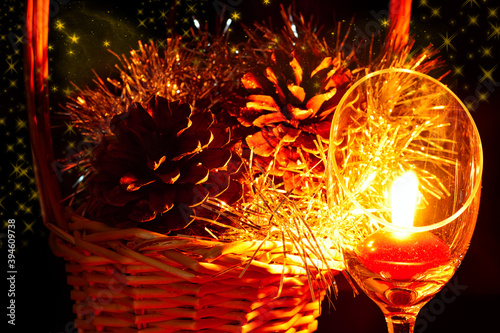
36, 70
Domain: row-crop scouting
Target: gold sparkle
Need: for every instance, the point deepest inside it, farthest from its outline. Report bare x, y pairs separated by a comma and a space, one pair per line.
423, 3
191, 9
59, 25
20, 141
19, 39
163, 14
73, 38
496, 31
458, 70
235, 16
106, 43
142, 23
266, 2
486, 52
12, 66
470, 105
436, 12
487, 74
20, 124
473, 20
483, 96
19, 171
33, 195
71, 145
28, 227
493, 12
70, 128
447, 41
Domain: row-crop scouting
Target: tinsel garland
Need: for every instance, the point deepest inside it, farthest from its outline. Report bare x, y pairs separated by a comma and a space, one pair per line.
207, 74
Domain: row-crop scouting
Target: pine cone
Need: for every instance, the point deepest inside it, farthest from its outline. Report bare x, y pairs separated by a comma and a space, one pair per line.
160, 165
289, 105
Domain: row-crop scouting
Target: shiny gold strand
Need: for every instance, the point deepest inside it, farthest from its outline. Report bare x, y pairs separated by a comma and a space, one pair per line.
395, 141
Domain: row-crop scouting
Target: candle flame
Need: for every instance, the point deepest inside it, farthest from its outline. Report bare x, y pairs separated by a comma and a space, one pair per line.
404, 194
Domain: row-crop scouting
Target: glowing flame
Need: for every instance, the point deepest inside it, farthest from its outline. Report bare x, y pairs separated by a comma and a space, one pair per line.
404, 194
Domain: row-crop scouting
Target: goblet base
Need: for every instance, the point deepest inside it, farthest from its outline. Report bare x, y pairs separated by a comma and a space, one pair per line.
401, 298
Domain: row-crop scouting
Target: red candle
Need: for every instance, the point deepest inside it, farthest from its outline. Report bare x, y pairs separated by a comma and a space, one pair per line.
402, 255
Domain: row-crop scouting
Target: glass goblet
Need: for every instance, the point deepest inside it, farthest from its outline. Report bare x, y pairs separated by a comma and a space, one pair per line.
404, 175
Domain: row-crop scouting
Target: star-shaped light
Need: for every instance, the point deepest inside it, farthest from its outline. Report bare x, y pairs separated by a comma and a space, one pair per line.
73, 38
12, 66
163, 15
191, 9
33, 195
59, 25
20, 142
235, 16
70, 128
492, 12
473, 20
486, 52
28, 227
483, 96
435, 12
487, 74
20, 124
496, 31
447, 41
142, 23
423, 3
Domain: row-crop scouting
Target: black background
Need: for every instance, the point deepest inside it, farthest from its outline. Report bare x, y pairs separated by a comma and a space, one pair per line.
470, 302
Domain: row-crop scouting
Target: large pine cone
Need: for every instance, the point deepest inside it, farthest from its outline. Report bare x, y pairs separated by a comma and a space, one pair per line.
290, 105
160, 165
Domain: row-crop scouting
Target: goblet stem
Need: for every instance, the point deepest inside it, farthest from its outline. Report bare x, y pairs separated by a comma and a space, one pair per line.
400, 323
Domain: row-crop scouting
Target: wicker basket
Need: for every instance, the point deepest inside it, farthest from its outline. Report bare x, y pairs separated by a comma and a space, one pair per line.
134, 280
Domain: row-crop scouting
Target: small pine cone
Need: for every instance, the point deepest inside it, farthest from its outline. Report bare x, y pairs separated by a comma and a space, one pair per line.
289, 105
160, 165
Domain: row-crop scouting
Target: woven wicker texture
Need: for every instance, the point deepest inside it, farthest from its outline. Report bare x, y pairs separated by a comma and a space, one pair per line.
133, 280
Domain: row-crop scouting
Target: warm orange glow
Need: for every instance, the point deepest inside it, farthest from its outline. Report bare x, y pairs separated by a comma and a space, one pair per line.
404, 194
